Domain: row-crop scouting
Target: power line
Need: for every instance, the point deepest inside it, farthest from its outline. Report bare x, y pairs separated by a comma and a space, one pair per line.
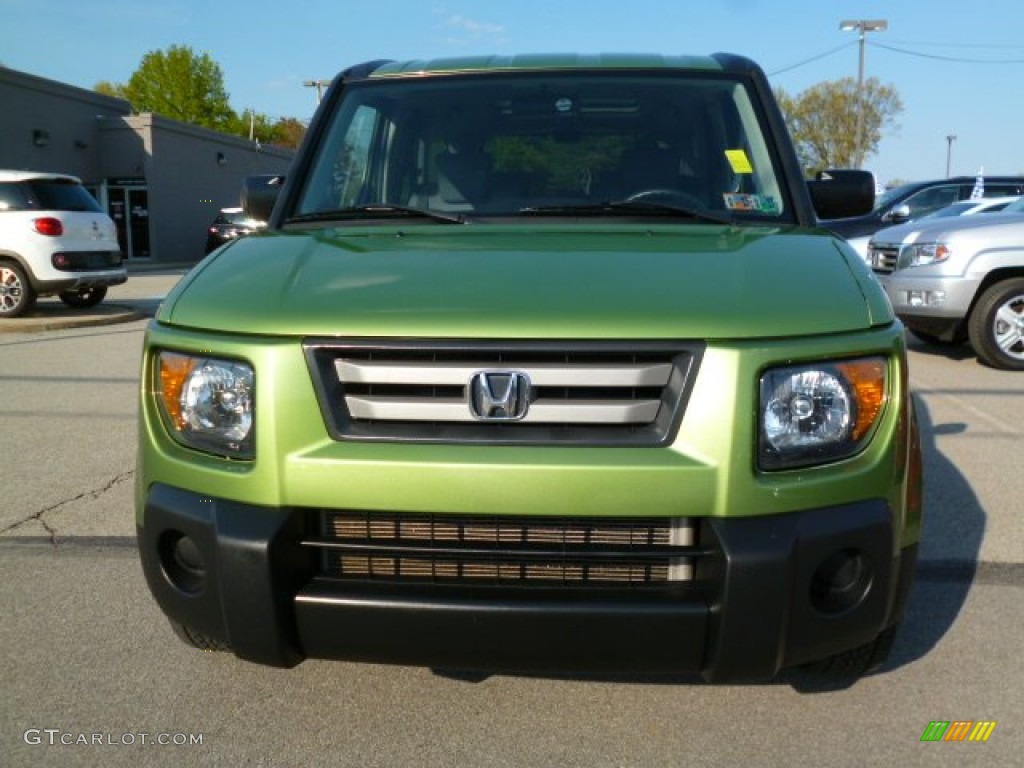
894, 49
945, 58
812, 59
958, 45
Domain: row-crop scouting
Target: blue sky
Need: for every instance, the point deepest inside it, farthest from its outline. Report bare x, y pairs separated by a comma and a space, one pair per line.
958, 66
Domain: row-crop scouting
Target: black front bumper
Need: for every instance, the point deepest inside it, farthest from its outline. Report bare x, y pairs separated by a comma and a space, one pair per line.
748, 613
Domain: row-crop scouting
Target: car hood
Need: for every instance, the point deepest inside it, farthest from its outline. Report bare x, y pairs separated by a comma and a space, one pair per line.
931, 230
539, 282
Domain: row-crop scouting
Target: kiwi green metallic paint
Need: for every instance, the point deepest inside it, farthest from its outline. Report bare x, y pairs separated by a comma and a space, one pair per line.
604, 282
765, 569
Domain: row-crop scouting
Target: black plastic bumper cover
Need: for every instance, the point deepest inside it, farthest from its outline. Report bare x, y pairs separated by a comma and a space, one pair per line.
748, 613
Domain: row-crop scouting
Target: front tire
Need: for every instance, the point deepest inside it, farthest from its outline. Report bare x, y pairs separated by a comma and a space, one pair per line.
996, 325
856, 662
16, 294
198, 639
84, 297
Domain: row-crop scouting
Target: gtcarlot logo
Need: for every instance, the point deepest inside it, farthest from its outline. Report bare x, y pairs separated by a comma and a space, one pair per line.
58, 737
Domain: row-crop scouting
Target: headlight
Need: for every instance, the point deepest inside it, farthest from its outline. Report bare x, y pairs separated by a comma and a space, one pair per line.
819, 412
923, 254
207, 403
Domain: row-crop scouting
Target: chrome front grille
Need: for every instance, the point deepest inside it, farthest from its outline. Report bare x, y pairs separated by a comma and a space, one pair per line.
883, 258
505, 551
564, 393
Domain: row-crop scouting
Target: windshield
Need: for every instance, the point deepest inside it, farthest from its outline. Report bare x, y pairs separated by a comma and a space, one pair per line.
951, 210
523, 144
896, 193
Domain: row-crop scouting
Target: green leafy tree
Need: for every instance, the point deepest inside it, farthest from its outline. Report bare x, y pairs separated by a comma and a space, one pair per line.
823, 121
108, 88
184, 85
177, 83
284, 132
288, 132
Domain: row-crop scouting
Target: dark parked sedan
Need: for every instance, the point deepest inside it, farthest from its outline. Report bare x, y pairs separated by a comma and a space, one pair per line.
231, 223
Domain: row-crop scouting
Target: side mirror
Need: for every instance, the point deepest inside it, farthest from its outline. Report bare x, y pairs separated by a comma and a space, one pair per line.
839, 194
259, 193
898, 214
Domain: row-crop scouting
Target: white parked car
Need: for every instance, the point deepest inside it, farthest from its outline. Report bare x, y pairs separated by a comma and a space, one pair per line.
54, 240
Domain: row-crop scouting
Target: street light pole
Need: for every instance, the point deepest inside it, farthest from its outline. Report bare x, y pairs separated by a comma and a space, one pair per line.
862, 26
319, 85
949, 151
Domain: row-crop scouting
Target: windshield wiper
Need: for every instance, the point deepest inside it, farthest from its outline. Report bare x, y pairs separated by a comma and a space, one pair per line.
620, 206
371, 210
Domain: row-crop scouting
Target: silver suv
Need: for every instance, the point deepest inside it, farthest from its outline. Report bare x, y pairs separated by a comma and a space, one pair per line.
54, 240
953, 280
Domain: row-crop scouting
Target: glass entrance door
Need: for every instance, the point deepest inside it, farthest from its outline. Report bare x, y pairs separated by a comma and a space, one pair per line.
128, 206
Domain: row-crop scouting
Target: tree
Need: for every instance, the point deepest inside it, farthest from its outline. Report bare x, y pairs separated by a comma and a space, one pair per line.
284, 132
186, 86
823, 121
289, 132
180, 84
108, 88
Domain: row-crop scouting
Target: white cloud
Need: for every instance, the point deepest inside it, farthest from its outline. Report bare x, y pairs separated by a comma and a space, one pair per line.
473, 27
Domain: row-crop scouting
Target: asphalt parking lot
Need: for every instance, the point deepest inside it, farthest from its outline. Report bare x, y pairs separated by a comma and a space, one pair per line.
134, 300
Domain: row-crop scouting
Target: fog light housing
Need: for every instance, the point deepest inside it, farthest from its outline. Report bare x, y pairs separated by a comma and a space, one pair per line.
182, 562
926, 298
841, 582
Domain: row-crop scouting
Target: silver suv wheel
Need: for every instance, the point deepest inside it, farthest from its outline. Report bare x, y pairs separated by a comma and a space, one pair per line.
997, 325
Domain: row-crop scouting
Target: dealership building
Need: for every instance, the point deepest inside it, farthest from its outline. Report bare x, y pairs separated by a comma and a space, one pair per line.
161, 181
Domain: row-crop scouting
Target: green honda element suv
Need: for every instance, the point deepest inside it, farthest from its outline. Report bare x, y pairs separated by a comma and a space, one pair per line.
541, 364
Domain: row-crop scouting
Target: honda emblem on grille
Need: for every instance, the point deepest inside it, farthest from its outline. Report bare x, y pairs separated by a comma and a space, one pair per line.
499, 395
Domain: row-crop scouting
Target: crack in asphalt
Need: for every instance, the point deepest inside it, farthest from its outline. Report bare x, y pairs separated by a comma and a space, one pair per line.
89, 495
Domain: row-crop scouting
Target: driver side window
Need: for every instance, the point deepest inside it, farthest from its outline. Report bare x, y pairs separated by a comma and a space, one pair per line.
344, 176
352, 165
929, 200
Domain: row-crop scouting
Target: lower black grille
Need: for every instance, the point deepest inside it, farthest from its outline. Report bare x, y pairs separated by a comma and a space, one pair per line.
505, 551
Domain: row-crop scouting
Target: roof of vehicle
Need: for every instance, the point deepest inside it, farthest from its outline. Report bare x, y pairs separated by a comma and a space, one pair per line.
717, 63
958, 180
29, 175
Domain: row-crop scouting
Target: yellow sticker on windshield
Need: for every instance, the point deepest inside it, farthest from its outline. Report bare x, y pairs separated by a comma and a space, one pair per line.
738, 161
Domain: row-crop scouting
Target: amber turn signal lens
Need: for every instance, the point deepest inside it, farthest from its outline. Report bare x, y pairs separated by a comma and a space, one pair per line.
174, 370
867, 378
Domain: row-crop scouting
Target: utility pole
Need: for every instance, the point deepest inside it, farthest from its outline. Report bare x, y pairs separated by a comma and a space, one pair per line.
319, 85
949, 151
862, 26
